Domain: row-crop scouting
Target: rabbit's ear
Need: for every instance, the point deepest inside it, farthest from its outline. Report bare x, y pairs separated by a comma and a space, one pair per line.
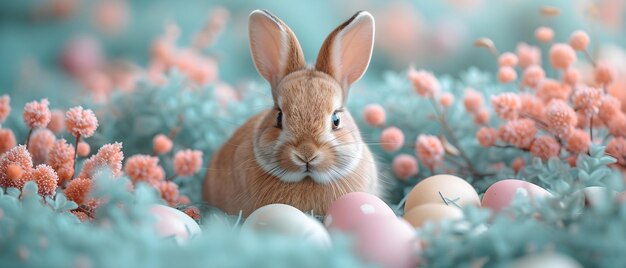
275, 49
346, 52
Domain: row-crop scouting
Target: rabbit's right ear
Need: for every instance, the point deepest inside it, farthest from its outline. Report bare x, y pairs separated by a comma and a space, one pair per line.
275, 49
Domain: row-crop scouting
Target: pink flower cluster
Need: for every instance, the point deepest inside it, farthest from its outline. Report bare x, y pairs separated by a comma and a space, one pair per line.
50, 162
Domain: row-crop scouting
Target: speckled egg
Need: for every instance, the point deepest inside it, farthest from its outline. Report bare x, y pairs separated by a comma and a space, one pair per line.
442, 189
354, 208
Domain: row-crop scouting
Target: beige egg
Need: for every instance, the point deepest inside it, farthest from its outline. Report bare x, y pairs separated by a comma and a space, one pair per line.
545, 260
419, 215
442, 189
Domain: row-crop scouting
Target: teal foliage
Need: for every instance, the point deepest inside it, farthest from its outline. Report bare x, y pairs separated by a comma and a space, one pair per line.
43, 233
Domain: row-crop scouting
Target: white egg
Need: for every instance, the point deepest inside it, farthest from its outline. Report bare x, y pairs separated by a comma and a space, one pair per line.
287, 220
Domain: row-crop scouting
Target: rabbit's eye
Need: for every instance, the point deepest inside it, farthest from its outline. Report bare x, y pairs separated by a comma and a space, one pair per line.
335, 120
279, 119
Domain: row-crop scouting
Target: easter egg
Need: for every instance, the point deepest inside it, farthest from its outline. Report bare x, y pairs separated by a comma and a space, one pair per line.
287, 220
434, 212
545, 260
500, 194
442, 189
354, 208
387, 241
173, 222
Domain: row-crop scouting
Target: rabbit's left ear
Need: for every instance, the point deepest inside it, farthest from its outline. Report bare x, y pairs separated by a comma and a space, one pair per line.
347, 51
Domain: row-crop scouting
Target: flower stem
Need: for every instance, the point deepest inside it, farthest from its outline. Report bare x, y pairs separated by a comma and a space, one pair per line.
75, 154
30, 132
451, 135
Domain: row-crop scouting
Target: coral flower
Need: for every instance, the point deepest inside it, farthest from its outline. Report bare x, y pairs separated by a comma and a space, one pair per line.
144, 168
405, 166
108, 156
517, 164
579, 40
609, 108
37, 114
531, 106
506, 105
545, 147
46, 179
587, 100
5, 108
550, 89
83, 149
473, 100
78, 190
578, 142
169, 192
519, 132
430, 151
506, 74
571, 77
40, 144
161, 144
617, 148
374, 115
81, 122
60, 159
560, 118
446, 99
533, 75
17, 156
193, 212
482, 116
487, 136
617, 125
528, 55
391, 139
562, 56
507, 59
424, 83
7, 140
57, 121
187, 162
604, 73
544, 34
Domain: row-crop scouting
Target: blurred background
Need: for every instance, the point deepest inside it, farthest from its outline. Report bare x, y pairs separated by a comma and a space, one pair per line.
61, 46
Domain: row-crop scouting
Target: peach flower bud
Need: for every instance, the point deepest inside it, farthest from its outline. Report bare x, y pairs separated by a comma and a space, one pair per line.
507, 59
579, 40
473, 100
506, 74
161, 144
544, 34
545, 147
83, 149
528, 55
533, 75
391, 139
446, 99
604, 73
562, 56
487, 136
36, 114
424, 82
374, 115
517, 164
405, 166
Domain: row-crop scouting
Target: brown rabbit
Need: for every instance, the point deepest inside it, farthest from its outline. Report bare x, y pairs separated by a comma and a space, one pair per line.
306, 151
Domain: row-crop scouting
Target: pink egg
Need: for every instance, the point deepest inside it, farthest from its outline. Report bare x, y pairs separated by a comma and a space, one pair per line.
499, 195
173, 222
354, 208
387, 241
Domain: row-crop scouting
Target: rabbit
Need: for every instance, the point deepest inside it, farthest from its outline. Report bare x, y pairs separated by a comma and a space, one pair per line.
306, 151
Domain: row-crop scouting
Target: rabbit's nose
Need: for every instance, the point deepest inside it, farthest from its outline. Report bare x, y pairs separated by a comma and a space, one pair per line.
306, 152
